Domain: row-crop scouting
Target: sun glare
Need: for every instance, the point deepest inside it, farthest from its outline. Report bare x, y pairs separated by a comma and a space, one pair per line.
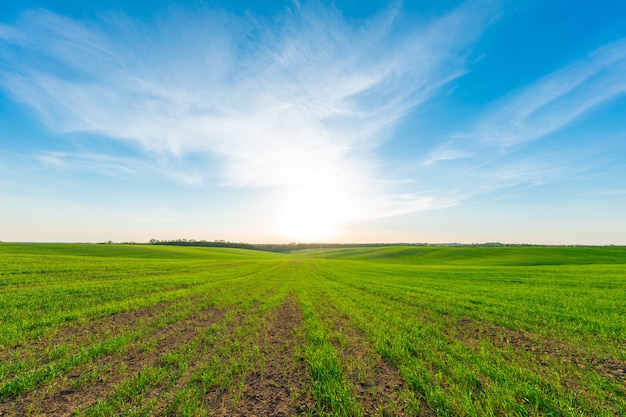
312, 214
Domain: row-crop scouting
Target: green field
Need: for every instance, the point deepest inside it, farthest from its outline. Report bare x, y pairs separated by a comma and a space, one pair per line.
140, 330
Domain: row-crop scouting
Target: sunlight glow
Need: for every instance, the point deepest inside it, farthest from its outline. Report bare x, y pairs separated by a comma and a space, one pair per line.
314, 213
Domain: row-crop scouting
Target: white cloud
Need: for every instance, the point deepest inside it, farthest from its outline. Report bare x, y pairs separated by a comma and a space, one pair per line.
298, 101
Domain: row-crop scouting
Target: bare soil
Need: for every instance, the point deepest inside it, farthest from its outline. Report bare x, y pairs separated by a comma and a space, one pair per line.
378, 383
82, 332
606, 365
279, 389
60, 399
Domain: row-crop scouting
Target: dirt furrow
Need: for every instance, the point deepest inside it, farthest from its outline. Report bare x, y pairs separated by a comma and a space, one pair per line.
207, 352
472, 332
83, 332
62, 398
381, 390
279, 388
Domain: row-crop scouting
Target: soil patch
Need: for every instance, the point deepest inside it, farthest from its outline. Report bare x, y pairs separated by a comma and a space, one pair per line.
472, 332
379, 384
81, 332
279, 388
62, 400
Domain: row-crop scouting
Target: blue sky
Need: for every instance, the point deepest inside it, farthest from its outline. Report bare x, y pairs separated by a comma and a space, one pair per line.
269, 121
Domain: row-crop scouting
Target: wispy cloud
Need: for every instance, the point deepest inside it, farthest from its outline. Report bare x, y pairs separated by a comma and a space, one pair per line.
445, 152
609, 193
118, 166
496, 151
299, 100
557, 99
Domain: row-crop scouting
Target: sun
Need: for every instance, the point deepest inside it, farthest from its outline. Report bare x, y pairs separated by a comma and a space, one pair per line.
313, 213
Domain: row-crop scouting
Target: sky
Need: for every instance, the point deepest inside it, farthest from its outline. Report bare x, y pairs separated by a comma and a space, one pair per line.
313, 121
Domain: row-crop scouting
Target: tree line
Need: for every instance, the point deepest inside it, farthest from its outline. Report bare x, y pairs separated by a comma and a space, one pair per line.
272, 247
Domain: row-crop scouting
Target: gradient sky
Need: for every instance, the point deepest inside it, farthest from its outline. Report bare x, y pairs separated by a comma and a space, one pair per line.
278, 121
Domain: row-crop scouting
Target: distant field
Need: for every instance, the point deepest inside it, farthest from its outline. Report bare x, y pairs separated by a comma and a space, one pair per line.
476, 255
115, 330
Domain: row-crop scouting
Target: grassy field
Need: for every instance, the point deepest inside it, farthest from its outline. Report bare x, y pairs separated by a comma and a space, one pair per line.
115, 330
